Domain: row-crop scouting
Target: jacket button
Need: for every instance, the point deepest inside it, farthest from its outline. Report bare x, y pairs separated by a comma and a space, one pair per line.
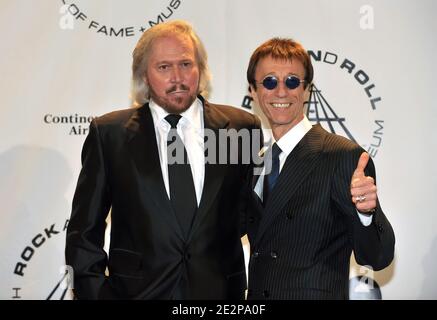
380, 228
251, 219
274, 254
255, 254
187, 256
266, 294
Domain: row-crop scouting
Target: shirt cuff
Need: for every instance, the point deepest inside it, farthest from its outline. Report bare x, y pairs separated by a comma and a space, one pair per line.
365, 219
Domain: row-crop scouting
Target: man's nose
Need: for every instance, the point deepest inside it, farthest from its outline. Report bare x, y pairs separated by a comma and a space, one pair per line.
281, 90
176, 75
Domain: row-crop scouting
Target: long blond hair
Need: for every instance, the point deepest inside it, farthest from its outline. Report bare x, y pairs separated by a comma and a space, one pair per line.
140, 91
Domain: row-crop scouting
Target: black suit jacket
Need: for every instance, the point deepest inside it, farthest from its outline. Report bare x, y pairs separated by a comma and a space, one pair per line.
149, 256
301, 242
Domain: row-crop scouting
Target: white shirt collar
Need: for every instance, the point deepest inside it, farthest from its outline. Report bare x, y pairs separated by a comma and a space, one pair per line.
191, 118
289, 140
287, 144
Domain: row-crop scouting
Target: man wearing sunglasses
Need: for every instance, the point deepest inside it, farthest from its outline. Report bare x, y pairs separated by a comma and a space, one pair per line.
306, 216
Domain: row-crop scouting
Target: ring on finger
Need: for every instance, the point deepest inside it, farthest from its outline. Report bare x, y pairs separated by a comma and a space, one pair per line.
360, 198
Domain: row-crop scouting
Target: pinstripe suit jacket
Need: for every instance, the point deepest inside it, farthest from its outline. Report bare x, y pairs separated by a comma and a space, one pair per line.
302, 239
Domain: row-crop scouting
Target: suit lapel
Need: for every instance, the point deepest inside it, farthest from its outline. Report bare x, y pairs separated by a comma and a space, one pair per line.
255, 198
141, 139
299, 164
214, 173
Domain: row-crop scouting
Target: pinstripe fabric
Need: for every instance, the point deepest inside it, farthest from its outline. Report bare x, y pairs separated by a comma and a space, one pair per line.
302, 241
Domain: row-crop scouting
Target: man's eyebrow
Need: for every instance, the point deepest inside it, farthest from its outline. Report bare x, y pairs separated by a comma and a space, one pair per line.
174, 61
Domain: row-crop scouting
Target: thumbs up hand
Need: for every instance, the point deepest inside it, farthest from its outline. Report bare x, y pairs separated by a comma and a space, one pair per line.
363, 189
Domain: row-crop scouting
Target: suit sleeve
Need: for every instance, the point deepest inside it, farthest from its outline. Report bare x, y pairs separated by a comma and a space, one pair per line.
257, 140
373, 245
86, 228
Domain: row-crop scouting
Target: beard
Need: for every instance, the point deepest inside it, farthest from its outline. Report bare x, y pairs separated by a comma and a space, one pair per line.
176, 104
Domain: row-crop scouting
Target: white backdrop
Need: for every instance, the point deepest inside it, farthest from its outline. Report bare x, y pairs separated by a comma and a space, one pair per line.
60, 64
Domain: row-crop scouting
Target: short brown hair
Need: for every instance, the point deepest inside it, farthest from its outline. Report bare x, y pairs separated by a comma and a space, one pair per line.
280, 49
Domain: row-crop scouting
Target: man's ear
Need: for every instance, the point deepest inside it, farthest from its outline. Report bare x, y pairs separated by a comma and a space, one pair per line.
306, 94
252, 92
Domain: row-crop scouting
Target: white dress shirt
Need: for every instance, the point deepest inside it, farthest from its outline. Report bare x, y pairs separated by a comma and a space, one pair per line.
190, 129
287, 143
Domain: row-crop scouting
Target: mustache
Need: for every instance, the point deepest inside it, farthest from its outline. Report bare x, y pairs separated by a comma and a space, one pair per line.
182, 87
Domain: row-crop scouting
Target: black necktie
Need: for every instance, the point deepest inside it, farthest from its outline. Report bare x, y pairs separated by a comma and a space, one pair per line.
270, 178
182, 192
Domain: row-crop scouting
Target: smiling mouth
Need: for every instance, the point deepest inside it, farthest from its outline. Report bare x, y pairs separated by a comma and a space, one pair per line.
280, 105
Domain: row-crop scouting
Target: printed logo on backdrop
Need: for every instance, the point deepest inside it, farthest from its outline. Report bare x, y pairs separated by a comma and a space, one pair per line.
147, 14
72, 124
364, 286
344, 100
37, 276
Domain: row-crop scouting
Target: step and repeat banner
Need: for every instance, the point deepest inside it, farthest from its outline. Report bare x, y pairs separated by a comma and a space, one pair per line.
65, 61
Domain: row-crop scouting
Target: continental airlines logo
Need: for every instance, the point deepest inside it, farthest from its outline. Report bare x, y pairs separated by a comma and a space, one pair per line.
147, 14
74, 124
344, 100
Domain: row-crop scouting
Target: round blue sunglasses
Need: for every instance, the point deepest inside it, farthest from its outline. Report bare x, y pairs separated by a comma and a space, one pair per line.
291, 82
